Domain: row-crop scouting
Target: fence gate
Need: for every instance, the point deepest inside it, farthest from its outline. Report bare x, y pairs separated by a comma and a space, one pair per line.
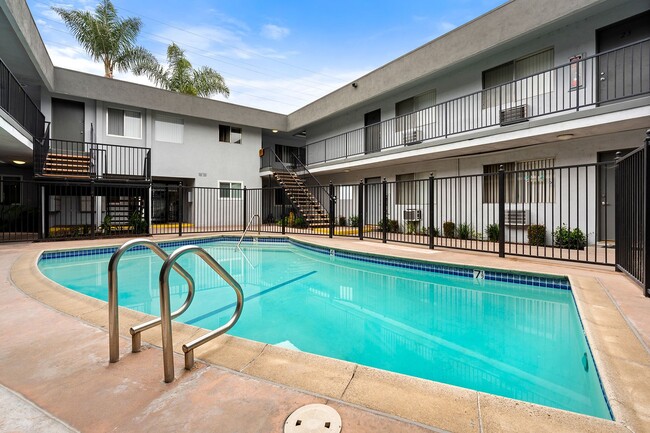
632, 216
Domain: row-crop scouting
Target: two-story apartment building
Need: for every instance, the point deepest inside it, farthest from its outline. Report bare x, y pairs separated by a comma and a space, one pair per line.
530, 87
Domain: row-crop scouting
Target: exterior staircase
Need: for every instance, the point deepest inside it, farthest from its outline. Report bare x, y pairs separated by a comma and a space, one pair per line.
75, 166
310, 207
121, 208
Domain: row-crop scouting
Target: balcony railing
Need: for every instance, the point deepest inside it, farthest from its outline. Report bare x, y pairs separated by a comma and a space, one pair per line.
75, 159
597, 80
15, 101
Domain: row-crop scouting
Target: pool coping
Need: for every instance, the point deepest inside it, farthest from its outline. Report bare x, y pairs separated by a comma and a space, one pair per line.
456, 409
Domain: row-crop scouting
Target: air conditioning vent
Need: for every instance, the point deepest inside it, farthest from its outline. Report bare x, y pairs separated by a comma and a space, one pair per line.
412, 215
412, 136
516, 217
513, 115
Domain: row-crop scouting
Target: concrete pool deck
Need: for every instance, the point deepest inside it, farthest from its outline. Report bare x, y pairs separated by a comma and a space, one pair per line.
55, 356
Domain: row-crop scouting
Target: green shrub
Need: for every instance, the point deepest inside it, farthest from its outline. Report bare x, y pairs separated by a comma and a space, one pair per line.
435, 232
391, 226
464, 231
138, 223
537, 235
354, 221
449, 229
106, 227
343, 221
300, 223
573, 239
493, 232
411, 227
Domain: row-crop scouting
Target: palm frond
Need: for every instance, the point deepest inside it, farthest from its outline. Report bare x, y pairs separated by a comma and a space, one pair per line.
207, 82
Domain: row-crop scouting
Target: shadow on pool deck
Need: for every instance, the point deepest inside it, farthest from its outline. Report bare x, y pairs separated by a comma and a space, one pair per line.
59, 363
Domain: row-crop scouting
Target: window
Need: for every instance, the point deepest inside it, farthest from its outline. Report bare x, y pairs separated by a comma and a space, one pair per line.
405, 188
516, 80
413, 106
10, 190
229, 134
231, 190
525, 182
124, 123
168, 129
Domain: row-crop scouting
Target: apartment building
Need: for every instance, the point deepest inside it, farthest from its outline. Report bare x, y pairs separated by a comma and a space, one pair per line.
529, 88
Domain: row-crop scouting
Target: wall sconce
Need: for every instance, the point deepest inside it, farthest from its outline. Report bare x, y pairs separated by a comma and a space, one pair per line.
355, 85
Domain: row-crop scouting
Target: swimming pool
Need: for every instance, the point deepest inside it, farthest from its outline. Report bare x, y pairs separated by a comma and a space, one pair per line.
517, 336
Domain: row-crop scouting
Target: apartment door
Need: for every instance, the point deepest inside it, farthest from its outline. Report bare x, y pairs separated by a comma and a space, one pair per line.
620, 74
372, 131
607, 194
372, 200
67, 125
165, 202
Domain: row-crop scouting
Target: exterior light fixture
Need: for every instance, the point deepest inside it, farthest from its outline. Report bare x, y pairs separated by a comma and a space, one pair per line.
565, 136
18, 162
355, 85
275, 131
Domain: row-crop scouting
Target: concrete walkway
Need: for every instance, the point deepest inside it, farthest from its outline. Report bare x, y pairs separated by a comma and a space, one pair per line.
55, 365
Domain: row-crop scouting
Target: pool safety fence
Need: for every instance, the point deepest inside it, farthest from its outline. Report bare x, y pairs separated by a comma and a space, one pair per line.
578, 213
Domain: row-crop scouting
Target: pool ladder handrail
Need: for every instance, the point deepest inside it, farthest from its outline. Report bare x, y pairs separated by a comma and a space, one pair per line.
167, 316
113, 310
259, 228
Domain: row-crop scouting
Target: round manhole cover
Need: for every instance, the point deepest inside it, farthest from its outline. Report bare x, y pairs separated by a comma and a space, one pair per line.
313, 418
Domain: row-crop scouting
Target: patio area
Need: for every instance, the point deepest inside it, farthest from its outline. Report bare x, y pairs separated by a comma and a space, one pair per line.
55, 366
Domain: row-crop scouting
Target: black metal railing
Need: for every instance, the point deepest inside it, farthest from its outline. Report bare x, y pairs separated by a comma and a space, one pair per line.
15, 101
548, 212
632, 216
603, 78
75, 159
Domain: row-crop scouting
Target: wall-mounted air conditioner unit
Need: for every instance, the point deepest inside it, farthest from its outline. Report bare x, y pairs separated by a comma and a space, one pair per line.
516, 217
412, 136
512, 115
412, 215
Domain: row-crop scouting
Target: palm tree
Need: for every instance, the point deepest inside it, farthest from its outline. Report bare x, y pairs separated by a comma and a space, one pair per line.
181, 77
107, 37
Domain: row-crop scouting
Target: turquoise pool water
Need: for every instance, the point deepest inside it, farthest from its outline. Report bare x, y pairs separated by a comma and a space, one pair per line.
503, 338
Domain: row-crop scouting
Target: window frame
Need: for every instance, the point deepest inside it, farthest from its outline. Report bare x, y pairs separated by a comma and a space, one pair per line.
124, 110
15, 177
517, 191
490, 100
230, 188
230, 134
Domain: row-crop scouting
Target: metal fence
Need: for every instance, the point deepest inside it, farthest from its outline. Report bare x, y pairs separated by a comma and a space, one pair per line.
15, 101
603, 78
76, 159
632, 216
541, 211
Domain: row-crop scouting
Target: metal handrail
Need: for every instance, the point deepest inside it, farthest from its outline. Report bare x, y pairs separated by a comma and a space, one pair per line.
286, 168
166, 316
113, 319
259, 228
309, 173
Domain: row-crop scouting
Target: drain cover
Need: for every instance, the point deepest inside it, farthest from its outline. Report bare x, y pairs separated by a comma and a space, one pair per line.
313, 418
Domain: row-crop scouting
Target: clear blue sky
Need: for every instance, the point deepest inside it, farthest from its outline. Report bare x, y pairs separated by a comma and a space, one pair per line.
277, 56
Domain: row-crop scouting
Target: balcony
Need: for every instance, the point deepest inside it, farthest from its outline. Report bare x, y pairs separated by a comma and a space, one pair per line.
601, 79
79, 160
15, 102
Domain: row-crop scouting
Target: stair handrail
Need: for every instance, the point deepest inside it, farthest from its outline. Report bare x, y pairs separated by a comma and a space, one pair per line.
310, 174
259, 228
166, 315
113, 310
292, 172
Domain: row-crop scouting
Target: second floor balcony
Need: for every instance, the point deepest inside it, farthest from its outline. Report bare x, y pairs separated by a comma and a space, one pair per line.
604, 78
65, 159
15, 102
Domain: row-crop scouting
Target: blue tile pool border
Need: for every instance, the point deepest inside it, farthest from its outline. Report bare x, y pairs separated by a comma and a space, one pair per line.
456, 270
